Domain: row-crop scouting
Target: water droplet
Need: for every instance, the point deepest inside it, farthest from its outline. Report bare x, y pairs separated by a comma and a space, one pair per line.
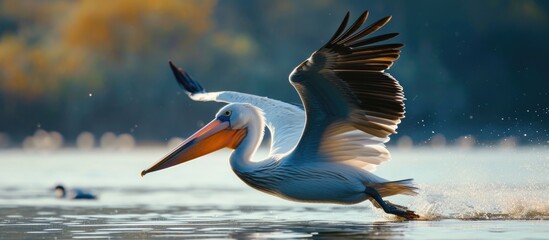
90, 94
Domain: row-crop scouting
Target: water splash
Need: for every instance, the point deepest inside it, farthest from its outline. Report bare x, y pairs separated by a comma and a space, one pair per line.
493, 202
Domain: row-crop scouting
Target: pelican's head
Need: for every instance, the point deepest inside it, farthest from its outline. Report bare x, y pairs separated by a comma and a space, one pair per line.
228, 129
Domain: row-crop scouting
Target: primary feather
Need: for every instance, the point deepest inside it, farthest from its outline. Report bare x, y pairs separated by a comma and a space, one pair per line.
352, 105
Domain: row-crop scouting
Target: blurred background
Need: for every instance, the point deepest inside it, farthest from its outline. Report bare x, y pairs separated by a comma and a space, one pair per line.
95, 73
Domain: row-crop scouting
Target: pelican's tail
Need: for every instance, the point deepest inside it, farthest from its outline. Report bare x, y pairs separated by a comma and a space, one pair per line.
386, 189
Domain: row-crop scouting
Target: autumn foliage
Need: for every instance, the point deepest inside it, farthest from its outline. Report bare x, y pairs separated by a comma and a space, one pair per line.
58, 42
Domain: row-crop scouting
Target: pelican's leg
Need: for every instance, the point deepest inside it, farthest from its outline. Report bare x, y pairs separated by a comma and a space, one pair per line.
389, 207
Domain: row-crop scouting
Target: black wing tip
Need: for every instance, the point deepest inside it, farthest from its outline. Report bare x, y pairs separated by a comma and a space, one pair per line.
349, 36
382, 22
364, 16
185, 80
340, 30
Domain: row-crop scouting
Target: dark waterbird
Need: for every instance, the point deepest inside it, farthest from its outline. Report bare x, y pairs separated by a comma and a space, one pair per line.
73, 193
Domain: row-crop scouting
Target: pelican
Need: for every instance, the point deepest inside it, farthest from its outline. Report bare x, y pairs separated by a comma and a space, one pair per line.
326, 152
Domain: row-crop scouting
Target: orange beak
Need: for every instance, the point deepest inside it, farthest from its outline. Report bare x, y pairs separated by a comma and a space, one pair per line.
212, 137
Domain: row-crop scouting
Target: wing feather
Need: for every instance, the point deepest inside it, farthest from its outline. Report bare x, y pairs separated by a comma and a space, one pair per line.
368, 30
341, 28
351, 104
358, 23
284, 121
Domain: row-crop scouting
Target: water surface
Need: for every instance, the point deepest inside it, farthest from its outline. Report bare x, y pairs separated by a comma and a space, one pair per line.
480, 193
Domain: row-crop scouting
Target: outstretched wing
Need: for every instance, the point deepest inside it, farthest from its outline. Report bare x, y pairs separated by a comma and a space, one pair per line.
285, 121
351, 104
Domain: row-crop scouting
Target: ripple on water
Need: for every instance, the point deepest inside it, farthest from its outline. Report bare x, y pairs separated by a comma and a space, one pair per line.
495, 190
141, 226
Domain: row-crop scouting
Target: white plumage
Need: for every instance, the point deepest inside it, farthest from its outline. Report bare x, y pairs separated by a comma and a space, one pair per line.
325, 153
285, 121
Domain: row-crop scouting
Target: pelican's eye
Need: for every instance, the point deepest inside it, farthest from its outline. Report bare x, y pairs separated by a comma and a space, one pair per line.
228, 113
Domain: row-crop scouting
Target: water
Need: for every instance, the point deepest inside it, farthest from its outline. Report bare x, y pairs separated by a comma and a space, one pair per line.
480, 193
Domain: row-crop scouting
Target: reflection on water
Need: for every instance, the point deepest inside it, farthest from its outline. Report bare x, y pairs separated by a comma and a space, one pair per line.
477, 193
47, 222
241, 223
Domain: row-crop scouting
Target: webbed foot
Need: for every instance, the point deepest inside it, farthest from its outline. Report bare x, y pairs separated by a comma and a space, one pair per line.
400, 211
389, 207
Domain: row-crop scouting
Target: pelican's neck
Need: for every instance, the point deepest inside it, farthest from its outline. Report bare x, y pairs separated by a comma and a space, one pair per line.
242, 155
